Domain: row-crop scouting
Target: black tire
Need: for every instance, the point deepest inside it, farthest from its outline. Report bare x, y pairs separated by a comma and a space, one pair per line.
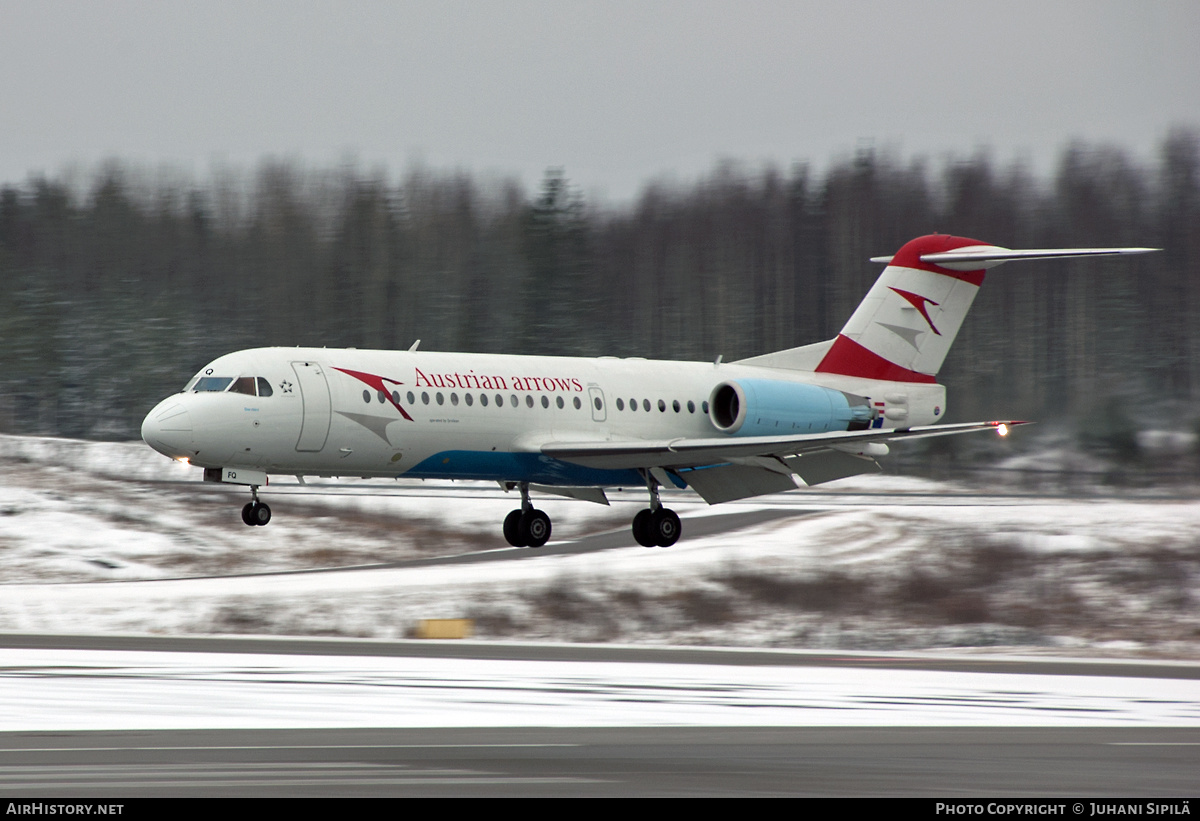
535, 528
248, 514
260, 513
664, 524
641, 528
512, 529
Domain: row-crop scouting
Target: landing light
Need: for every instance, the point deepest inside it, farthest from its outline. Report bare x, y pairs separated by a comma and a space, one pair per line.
1002, 429
183, 460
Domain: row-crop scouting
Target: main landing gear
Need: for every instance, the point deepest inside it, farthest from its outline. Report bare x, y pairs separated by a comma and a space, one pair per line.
655, 526
256, 512
526, 527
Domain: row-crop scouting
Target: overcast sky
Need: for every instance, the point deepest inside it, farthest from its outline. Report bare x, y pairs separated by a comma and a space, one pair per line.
614, 92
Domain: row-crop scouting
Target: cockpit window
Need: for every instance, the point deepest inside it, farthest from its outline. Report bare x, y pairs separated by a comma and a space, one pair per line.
212, 383
243, 384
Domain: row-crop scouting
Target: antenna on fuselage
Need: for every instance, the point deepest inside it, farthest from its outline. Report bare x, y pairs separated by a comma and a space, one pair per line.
413, 347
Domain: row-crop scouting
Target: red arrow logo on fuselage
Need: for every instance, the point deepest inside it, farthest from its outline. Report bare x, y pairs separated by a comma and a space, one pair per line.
376, 382
919, 302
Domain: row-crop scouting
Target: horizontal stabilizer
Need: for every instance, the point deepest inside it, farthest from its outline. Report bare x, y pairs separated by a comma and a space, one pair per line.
989, 256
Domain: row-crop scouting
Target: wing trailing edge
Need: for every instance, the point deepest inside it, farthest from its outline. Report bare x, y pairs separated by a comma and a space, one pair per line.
706, 453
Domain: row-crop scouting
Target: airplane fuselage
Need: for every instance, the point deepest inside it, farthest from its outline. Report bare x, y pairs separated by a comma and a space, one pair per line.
348, 412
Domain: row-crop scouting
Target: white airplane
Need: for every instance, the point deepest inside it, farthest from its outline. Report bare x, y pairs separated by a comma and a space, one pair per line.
575, 426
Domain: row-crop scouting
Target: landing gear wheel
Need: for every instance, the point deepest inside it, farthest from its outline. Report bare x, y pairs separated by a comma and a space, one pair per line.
262, 513
664, 525
256, 513
534, 528
512, 529
641, 528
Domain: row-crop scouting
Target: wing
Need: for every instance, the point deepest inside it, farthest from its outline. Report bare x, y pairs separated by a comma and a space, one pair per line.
730, 468
692, 453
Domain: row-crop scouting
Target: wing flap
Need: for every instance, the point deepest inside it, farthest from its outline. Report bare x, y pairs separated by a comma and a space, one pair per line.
825, 466
727, 483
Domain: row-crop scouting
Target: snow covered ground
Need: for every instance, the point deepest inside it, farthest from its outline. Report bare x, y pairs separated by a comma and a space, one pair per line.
48, 690
105, 537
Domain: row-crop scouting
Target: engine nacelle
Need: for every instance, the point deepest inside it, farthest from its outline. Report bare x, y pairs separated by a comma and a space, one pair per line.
772, 407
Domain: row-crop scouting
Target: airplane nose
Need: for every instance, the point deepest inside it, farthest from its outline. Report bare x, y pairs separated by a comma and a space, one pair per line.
168, 429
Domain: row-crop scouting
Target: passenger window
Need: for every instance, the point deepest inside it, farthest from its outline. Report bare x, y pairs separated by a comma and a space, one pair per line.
558, 400
578, 404
620, 404
264, 387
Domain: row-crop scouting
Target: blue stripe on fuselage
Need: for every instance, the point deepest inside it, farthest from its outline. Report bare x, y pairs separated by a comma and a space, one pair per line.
518, 467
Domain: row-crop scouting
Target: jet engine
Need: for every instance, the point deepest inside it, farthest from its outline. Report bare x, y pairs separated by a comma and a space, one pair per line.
772, 407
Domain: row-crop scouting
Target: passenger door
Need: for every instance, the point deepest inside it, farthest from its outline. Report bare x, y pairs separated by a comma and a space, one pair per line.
314, 392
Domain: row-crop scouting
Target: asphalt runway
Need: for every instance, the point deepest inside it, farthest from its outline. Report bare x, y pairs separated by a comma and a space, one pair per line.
941, 763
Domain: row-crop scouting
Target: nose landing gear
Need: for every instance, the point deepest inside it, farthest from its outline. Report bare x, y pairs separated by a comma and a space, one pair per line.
526, 527
256, 512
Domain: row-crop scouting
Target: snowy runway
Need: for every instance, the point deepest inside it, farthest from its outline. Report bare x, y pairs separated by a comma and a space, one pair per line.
106, 690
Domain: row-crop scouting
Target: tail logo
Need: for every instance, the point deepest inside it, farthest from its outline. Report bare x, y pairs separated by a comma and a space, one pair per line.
919, 302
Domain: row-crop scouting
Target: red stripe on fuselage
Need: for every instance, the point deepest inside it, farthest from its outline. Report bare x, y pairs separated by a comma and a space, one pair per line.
849, 358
